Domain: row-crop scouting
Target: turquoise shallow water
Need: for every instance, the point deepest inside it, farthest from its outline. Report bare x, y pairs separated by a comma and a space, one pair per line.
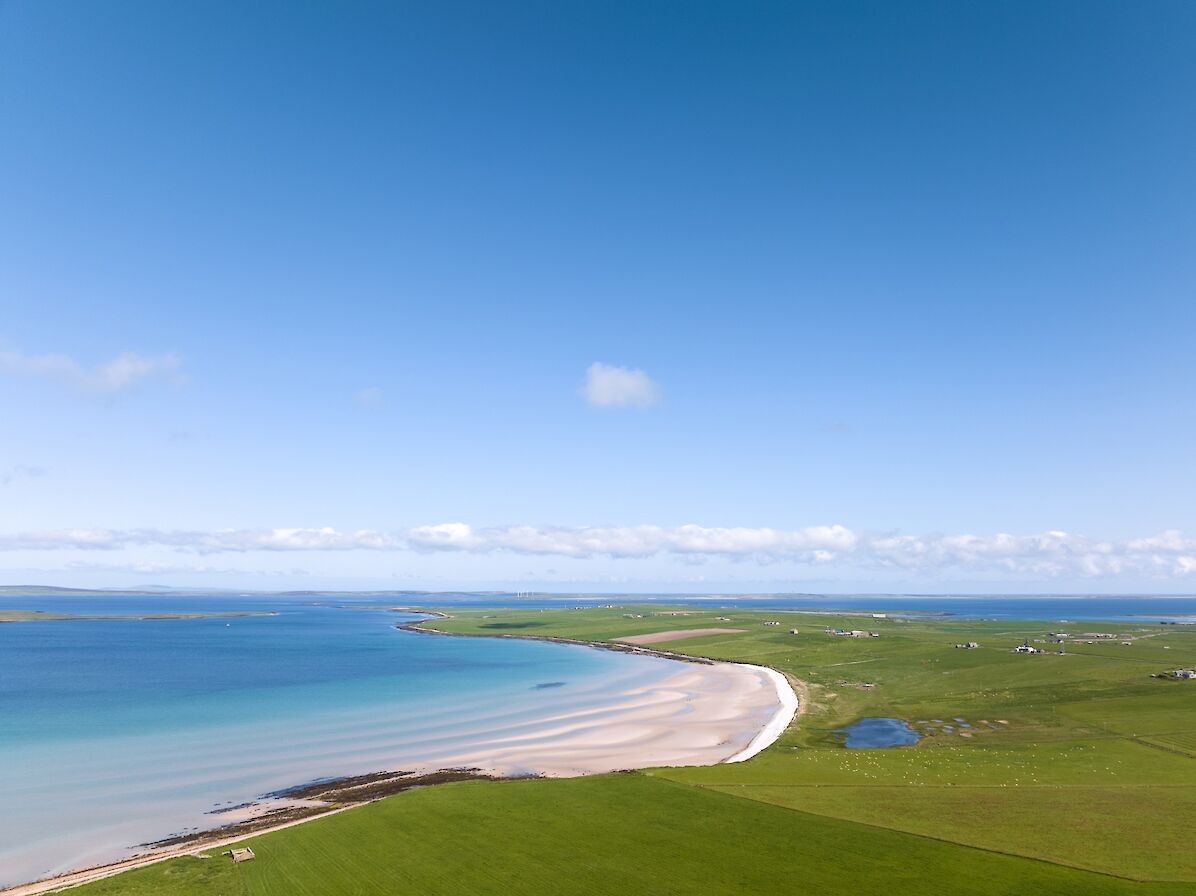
114, 733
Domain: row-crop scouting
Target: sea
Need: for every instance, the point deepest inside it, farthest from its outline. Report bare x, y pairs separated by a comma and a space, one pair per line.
118, 732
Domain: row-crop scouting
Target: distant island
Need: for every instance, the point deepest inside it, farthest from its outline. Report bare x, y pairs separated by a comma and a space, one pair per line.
46, 616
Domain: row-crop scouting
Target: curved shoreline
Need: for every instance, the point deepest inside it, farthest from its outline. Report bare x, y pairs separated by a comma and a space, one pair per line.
785, 714
788, 707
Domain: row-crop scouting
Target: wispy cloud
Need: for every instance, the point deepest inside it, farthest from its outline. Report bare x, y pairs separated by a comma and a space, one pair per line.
21, 471
108, 378
607, 386
154, 568
1047, 554
215, 542
369, 399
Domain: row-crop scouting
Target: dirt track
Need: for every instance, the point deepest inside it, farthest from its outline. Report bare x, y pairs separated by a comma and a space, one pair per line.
677, 635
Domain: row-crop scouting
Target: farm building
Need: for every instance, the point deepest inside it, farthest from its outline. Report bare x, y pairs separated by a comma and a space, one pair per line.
854, 633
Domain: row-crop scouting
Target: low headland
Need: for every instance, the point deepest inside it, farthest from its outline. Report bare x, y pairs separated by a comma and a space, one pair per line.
47, 616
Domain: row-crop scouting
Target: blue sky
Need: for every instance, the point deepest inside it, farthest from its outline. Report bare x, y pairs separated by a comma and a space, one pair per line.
287, 286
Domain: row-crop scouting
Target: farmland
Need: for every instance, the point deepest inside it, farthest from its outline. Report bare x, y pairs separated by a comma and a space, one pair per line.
1069, 772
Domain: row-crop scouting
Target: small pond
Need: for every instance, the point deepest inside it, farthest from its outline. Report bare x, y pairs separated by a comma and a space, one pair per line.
873, 733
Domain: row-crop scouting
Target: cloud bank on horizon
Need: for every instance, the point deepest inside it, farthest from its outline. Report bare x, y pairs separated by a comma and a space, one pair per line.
1167, 555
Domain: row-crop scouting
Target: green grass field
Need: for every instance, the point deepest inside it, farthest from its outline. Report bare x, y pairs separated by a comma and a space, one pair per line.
43, 616
1079, 777
29, 616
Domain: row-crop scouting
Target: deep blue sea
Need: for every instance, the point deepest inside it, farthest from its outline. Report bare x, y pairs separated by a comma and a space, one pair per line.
118, 732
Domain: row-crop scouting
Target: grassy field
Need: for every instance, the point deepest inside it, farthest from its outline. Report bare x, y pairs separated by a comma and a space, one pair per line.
1078, 777
624, 834
29, 616
45, 616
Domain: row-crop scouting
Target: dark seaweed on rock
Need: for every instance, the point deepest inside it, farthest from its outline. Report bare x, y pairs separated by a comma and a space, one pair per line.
325, 796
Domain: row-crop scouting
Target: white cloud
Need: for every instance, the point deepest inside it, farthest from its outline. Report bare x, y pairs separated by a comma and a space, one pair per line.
325, 539
109, 378
65, 539
619, 387
153, 568
242, 540
1045, 555
637, 541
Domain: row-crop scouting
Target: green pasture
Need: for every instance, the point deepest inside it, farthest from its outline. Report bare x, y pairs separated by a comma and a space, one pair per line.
622, 835
29, 616
1079, 777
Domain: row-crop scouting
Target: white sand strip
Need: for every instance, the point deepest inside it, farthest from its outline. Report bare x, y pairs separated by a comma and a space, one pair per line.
780, 720
703, 714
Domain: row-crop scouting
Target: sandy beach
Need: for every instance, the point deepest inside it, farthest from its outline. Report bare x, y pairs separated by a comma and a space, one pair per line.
706, 713
702, 715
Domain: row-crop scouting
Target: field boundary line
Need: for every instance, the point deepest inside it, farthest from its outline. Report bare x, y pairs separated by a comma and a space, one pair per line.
931, 837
